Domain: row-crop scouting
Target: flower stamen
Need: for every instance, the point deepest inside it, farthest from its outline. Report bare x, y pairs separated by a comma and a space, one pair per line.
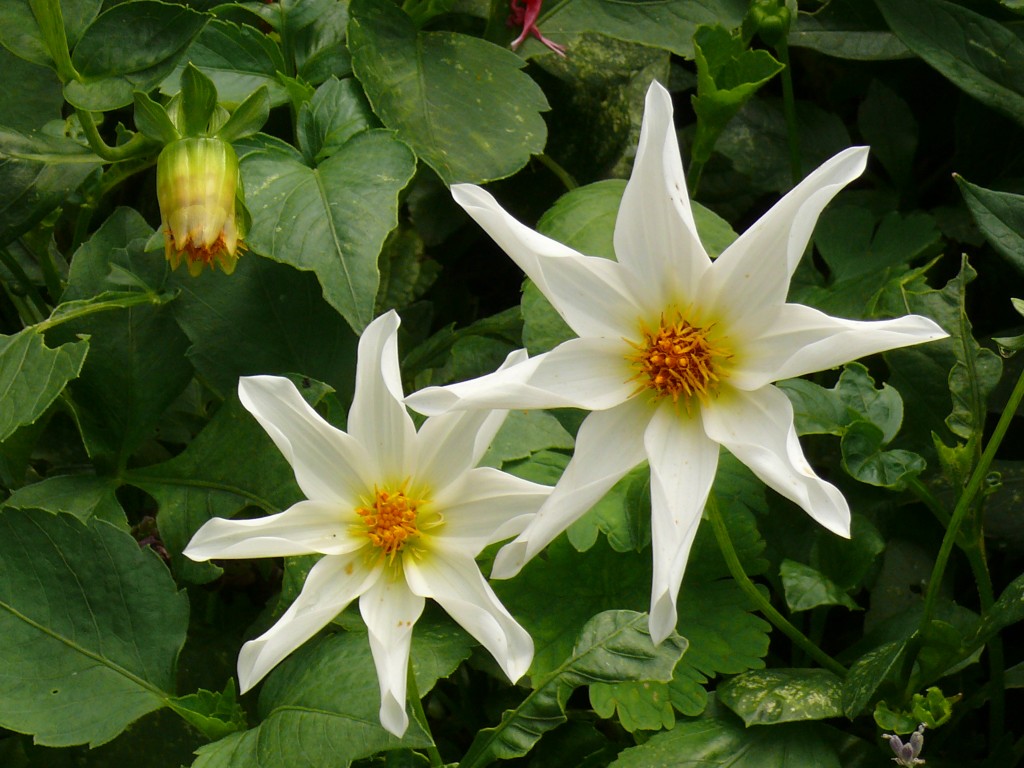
678, 360
390, 520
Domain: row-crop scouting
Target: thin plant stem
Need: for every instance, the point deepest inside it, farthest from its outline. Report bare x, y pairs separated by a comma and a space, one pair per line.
966, 501
926, 497
563, 175
136, 146
29, 290
789, 108
986, 596
413, 694
779, 621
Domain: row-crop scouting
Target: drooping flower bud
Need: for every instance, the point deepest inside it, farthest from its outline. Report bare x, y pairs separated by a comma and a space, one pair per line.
197, 186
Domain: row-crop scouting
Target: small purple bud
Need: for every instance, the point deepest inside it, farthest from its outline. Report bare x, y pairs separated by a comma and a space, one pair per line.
907, 754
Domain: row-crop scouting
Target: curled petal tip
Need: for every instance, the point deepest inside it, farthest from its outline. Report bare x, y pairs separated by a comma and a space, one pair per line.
510, 560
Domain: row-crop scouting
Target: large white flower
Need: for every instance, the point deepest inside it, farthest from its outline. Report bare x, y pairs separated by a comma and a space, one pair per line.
398, 516
676, 354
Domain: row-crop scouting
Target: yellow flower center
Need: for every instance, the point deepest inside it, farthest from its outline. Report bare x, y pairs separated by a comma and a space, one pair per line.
678, 360
390, 520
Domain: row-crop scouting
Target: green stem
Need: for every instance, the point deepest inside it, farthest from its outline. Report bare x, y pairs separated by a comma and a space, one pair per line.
780, 622
986, 596
789, 107
926, 497
413, 694
563, 175
136, 146
51, 24
27, 289
966, 501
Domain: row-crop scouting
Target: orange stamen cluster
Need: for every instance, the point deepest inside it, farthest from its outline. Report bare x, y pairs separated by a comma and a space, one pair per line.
678, 360
390, 520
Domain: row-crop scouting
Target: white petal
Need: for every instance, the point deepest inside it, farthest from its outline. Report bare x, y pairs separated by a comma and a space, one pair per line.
608, 445
655, 234
390, 610
683, 463
591, 294
306, 528
753, 273
803, 339
331, 585
757, 427
488, 505
378, 418
328, 464
455, 582
452, 443
587, 373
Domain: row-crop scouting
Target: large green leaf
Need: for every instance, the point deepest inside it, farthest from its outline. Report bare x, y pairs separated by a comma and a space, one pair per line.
722, 742
32, 93
37, 173
20, 33
807, 588
84, 496
849, 30
32, 376
90, 628
320, 707
769, 696
264, 318
613, 646
331, 219
239, 59
984, 58
1000, 217
668, 24
210, 479
136, 365
129, 47
460, 102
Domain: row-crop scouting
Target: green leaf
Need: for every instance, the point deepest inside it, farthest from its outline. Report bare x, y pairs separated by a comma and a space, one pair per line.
31, 95
264, 318
209, 479
1006, 611
867, 674
20, 33
337, 111
980, 56
320, 706
956, 368
623, 515
667, 25
807, 588
32, 376
890, 128
638, 706
215, 714
865, 460
332, 219
238, 58
248, 117
852, 30
524, 433
933, 709
460, 102
136, 365
406, 272
80, 666
721, 741
152, 120
1000, 217
129, 47
770, 696
198, 101
84, 496
613, 646
37, 173
727, 76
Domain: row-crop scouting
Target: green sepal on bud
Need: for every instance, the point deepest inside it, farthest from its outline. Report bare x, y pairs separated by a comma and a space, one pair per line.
202, 212
768, 19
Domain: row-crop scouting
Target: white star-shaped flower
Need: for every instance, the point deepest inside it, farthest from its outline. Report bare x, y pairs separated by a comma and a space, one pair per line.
398, 516
676, 353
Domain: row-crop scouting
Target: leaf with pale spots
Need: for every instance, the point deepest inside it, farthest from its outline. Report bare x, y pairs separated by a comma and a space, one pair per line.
460, 102
768, 696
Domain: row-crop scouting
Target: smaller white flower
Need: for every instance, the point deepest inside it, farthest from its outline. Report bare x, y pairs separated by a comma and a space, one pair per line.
398, 515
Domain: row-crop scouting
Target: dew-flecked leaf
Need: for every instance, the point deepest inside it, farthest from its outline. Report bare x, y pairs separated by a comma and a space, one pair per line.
460, 102
770, 696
